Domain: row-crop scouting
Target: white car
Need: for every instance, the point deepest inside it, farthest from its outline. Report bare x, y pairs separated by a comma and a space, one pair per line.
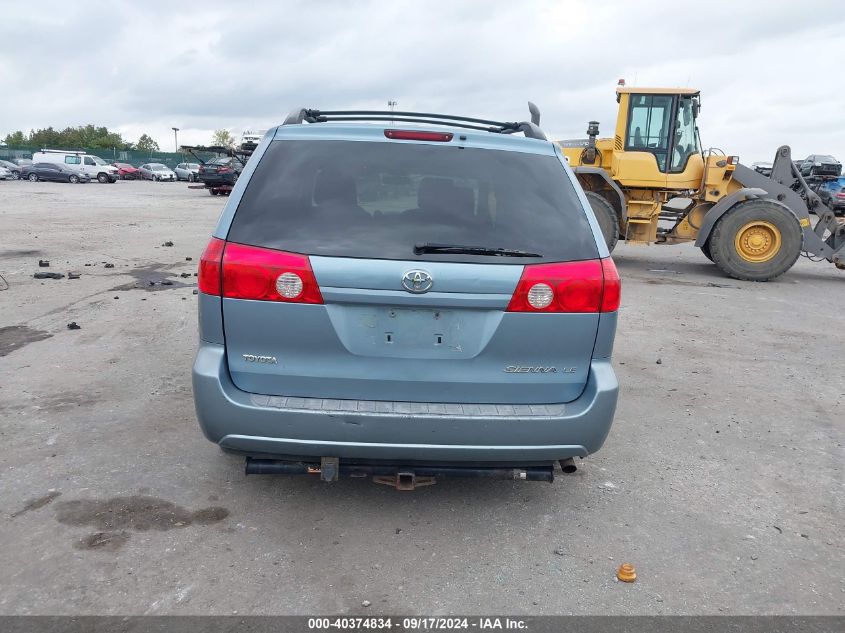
157, 171
5, 173
251, 138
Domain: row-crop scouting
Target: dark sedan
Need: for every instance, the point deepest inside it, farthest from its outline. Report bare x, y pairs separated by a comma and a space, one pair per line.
50, 171
220, 171
820, 165
12, 167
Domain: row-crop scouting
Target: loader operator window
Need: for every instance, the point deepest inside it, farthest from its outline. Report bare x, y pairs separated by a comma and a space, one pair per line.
685, 142
649, 126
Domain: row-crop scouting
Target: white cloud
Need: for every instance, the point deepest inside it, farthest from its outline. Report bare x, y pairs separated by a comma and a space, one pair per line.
767, 70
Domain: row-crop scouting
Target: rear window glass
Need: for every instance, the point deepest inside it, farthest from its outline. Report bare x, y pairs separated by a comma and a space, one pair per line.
379, 199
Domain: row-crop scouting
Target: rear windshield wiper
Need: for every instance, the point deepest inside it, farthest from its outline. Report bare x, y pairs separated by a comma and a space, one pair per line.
458, 249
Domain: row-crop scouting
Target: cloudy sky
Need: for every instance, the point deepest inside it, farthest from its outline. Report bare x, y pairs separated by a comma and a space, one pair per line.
771, 72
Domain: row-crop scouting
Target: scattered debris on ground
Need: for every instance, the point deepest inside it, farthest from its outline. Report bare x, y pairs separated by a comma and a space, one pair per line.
43, 263
73, 275
168, 243
108, 265
73, 325
48, 276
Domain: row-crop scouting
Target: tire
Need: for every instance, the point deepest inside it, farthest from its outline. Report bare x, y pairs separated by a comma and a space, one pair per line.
706, 250
16, 175
73, 178
102, 178
756, 240
212, 192
33, 178
606, 215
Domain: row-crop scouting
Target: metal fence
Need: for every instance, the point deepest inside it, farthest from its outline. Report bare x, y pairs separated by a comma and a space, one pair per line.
133, 157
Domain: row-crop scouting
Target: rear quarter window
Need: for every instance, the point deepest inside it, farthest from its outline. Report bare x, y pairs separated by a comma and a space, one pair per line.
379, 199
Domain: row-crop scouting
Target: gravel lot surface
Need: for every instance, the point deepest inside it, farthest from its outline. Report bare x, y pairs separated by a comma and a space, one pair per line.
721, 481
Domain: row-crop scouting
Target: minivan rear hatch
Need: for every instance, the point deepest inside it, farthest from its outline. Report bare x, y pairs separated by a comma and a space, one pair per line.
407, 257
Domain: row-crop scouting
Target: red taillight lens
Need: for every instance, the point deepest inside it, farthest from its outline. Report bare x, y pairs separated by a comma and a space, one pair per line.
223, 170
209, 272
841, 194
263, 274
588, 286
416, 135
612, 294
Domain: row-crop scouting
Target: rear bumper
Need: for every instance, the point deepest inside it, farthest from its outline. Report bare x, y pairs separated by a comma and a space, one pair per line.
422, 432
213, 180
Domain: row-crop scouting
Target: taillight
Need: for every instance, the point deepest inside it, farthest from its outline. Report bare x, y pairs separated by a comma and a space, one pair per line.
263, 274
612, 294
587, 286
223, 170
416, 135
841, 194
209, 271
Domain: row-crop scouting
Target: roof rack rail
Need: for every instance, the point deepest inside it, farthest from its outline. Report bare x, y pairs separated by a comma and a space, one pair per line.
531, 129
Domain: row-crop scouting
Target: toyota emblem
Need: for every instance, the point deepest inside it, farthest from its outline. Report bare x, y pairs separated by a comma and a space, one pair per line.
417, 281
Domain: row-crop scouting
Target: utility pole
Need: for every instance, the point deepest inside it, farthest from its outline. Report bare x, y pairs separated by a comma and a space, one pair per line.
176, 137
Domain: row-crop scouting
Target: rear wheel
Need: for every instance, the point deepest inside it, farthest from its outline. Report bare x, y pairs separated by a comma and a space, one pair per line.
706, 250
33, 178
16, 175
757, 240
103, 178
212, 192
606, 215
74, 179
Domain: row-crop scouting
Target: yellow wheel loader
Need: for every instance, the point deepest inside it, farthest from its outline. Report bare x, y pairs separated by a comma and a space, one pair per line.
652, 183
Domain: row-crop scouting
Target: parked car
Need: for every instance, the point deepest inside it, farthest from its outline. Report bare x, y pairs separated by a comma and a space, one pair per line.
820, 165
378, 300
54, 172
157, 171
22, 162
5, 173
762, 168
187, 171
832, 193
14, 169
220, 171
93, 166
125, 171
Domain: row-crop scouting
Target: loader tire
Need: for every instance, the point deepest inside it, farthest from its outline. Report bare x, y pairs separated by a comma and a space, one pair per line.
606, 215
756, 240
706, 250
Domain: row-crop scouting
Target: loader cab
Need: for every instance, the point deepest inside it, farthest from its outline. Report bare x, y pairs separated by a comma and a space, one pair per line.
656, 129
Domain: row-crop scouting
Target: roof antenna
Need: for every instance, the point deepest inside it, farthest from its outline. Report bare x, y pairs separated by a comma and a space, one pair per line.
535, 113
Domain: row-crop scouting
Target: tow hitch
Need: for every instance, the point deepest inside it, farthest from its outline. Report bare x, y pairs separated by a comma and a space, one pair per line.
399, 476
404, 481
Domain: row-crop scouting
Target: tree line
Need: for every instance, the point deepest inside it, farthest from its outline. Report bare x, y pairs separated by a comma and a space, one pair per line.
87, 136
97, 137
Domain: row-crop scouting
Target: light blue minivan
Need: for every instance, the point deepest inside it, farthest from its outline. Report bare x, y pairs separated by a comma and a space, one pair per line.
406, 295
